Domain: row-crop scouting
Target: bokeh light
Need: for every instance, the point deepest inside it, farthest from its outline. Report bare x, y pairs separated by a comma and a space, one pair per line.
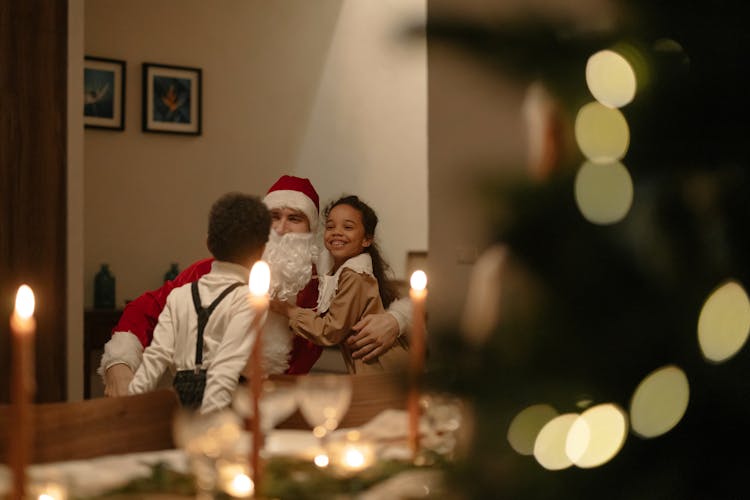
47, 490
610, 78
597, 435
603, 193
659, 402
234, 479
525, 427
321, 460
724, 322
481, 312
602, 133
672, 47
549, 447
241, 486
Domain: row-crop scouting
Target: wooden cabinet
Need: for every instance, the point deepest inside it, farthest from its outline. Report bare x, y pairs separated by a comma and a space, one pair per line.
97, 329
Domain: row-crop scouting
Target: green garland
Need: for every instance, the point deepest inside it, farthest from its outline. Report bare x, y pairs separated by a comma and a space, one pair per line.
291, 478
163, 479
285, 478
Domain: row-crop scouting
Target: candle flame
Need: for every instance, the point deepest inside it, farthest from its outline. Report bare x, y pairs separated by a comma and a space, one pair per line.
321, 460
25, 302
418, 280
260, 279
241, 486
354, 458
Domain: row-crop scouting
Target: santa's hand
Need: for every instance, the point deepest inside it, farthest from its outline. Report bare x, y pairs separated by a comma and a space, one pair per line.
280, 306
117, 379
376, 333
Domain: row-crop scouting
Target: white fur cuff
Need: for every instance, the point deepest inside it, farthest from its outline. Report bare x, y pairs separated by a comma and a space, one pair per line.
123, 347
401, 310
277, 343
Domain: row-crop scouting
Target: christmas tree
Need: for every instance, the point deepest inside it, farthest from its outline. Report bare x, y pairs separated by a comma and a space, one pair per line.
590, 307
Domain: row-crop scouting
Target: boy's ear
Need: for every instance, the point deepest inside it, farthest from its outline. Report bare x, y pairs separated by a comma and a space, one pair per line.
259, 253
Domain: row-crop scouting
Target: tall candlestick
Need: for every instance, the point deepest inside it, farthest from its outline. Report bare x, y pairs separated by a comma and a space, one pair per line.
260, 279
418, 294
22, 327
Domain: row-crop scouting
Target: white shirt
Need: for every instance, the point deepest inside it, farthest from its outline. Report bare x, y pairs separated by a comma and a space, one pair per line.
227, 339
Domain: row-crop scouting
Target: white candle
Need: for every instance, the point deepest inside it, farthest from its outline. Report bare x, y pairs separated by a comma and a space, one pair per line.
23, 328
260, 280
418, 294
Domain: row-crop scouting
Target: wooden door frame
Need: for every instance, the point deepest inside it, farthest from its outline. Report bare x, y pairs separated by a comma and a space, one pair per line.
33, 184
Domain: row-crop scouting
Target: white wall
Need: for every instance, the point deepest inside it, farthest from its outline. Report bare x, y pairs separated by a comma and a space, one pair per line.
367, 133
282, 80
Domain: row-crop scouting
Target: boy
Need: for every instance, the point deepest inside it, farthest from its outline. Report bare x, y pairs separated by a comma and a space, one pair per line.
238, 230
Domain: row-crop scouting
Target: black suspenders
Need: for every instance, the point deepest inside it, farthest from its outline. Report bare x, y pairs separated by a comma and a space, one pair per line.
203, 315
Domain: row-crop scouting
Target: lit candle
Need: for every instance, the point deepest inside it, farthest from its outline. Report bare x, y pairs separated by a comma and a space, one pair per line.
22, 327
321, 460
48, 491
418, 293
351, 454
260, 279
234, 479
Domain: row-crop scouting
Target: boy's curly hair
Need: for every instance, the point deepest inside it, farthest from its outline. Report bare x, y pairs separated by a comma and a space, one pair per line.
238, 225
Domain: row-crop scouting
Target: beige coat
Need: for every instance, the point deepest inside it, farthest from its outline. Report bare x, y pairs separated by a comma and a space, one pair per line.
347, 297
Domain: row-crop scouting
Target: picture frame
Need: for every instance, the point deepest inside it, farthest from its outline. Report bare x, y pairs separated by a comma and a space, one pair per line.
104, 93
171, 99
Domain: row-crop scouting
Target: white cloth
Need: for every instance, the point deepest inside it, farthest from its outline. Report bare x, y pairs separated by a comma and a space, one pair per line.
227, 339
95, 476
328, 284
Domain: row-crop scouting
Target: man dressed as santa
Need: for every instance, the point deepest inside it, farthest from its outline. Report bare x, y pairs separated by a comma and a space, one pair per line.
292, 254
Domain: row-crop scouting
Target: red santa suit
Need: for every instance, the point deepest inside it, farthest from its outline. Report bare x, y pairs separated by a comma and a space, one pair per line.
141, 315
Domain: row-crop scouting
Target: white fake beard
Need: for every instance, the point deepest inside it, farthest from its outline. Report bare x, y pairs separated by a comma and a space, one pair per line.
290, 257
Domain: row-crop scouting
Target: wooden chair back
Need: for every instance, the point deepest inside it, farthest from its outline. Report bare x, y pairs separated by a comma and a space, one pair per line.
96, 427
371, 394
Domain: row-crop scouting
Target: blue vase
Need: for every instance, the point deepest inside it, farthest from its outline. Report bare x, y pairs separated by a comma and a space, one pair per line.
104, 289
172, 273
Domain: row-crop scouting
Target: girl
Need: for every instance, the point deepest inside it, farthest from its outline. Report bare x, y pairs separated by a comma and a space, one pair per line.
355, 286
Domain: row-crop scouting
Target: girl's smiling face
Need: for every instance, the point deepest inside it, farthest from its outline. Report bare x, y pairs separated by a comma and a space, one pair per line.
345, 234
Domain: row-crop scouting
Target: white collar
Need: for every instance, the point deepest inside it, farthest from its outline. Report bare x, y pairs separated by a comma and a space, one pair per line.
240, 272
328, 284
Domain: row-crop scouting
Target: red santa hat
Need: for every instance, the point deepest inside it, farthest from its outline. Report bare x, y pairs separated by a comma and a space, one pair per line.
297, 193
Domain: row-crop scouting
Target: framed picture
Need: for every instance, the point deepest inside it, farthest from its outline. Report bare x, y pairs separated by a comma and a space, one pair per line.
171, 99
103, 93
